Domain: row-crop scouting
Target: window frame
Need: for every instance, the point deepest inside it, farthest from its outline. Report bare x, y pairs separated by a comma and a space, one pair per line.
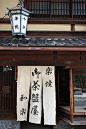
56, 20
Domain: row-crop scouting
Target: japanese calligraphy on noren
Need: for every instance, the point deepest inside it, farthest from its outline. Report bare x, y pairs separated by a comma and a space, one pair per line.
23, 111
36, 72
48, 71
34, 110
16, 27
35, 97
22, 97
48, 84
35, 85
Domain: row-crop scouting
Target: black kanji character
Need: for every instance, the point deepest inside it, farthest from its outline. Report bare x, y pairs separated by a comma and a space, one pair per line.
22, 97
23, 27
16, 18
35, 86
16, 27
34, 110
35, 97
23, 111
24, 18
48, 71
36, 72
48, 84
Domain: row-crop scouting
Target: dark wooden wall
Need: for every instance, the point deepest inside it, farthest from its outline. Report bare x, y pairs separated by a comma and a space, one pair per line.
56, 58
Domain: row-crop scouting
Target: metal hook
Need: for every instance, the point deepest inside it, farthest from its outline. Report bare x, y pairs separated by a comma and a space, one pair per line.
20, 2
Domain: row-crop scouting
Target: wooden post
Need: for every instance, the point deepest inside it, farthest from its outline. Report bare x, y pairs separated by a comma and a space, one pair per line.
71, 95
72, 27
58, 97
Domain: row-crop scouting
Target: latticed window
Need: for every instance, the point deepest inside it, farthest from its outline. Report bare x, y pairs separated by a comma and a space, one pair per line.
7, 93
57, 8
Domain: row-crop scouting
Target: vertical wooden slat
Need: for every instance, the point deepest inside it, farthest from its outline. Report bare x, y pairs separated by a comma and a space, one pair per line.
71, 95
27, 4
5, 101
53, 8
50, 8
58, 7
42, 7
69, 8
74, 9
80, 8
58, 90
81, 82
66, 9
85, 8
39, 8
77, 8
72, 27
47, 8
61, 8
34, 8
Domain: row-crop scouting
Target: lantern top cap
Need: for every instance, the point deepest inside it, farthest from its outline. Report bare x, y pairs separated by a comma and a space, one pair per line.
19, 7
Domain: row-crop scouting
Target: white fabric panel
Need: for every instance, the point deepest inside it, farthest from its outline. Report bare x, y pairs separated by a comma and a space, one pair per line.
23, 86
36, 88
49, 99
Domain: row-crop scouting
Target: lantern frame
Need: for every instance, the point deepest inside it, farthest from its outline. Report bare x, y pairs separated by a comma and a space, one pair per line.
18, 12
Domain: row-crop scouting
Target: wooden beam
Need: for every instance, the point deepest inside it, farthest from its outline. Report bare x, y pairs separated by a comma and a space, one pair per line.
71, 95
40, 62
49, 20
47, 33
76, 67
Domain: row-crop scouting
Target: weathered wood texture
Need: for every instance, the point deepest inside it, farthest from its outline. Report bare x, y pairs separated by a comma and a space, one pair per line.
22, 57
64, 113
80, 118
49, 21
47, 33
71, 95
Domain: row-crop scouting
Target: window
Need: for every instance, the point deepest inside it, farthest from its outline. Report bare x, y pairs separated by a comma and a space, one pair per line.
79, 82
57, 8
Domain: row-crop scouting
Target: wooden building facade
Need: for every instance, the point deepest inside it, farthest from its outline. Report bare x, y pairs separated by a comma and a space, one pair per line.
56, 36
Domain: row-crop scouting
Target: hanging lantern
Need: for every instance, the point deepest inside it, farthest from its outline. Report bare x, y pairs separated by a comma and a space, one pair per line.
19, 19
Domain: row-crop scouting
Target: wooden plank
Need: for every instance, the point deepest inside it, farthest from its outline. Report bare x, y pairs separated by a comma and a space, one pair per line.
72, 27
75, 67
41, 63
49, 20
68, 57
71, 95
48, 33
68, 53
